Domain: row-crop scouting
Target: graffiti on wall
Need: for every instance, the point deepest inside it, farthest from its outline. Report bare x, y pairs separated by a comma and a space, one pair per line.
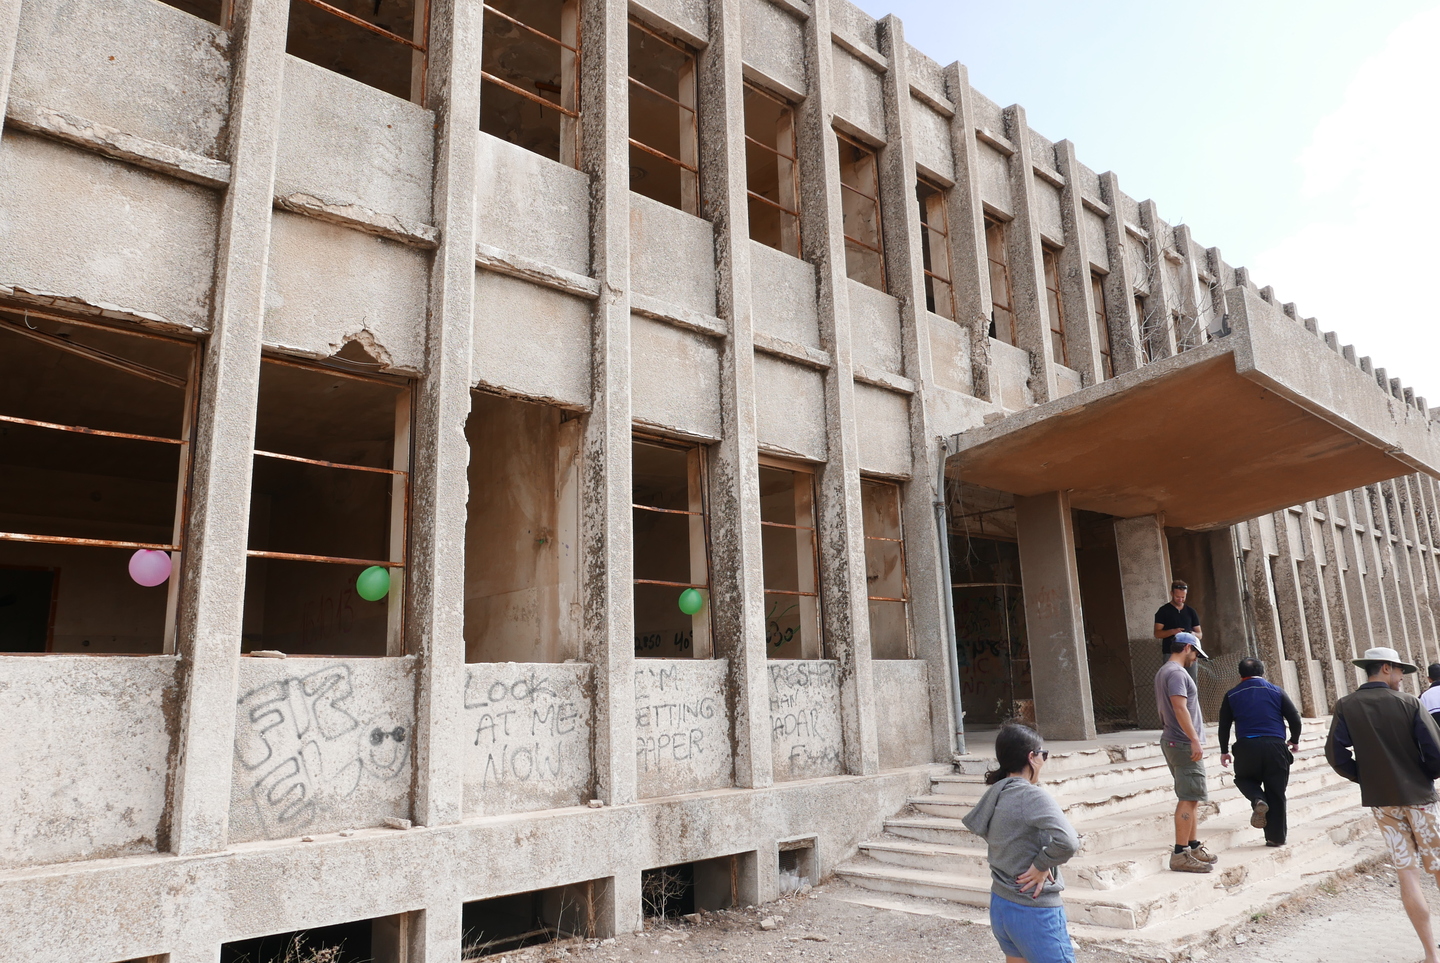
682, 728
526, 726
805, 729
305, 744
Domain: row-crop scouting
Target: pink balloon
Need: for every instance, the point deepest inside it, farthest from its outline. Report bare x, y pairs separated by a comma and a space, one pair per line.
149, 567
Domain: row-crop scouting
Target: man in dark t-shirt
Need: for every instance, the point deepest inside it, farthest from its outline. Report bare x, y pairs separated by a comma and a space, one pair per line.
1175, 617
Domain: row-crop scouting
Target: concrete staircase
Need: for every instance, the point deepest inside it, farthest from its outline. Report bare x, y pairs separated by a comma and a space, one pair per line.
1119, 886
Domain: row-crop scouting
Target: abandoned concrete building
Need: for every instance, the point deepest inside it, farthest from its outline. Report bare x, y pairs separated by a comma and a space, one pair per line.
428, 528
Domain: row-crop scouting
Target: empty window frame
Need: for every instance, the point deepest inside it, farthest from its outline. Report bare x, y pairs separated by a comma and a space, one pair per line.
1143, 324
935, 249
772, 171
504, 924
215, 11
95, 440
329, 508
662, 120
381, 43
1059, 350
672, 550
383, 939
1002, 302
860, 205
791, 561
530, 73
887, 587
1102, 324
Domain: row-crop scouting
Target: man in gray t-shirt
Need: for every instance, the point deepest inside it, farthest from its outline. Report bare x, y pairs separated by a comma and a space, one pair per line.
1182, 740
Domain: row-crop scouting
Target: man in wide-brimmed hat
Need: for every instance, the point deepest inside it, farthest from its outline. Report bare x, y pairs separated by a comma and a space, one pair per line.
1384, 739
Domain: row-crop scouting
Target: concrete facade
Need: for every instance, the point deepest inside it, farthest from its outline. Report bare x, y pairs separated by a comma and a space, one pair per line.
512, 330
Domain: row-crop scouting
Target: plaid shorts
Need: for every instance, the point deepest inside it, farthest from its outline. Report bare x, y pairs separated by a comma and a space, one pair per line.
1412, 834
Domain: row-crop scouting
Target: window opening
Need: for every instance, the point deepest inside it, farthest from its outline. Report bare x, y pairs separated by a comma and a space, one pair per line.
215, 11
860, 205
329, 512
791, 562
1147, 349
685, 888
1059, 351
383, 939
799, 870
772, 171
672, 551
1102, 323
888, 588
95, 440
662, 120
935, 249
506, 923
380, 43
1002, 304
530, 74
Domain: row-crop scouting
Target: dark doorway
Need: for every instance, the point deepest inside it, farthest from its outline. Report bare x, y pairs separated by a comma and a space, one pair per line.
1107, 636
27, 608
993, 651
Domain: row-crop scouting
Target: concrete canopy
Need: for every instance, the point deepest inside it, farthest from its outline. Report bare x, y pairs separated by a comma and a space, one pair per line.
1266, 417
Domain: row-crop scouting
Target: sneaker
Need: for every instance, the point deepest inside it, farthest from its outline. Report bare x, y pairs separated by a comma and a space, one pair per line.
1187, 862
1273, 843
1203, 854
1258, 813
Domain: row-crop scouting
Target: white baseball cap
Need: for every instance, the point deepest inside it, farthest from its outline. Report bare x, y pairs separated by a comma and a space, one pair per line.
1181, 639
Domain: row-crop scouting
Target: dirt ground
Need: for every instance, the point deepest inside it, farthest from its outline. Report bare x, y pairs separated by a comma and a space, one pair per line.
1361, 921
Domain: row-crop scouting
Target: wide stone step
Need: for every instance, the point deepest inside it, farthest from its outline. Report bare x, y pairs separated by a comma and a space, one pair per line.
933, 857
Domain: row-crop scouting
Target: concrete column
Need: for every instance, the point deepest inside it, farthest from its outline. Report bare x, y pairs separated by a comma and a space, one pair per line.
1189, 332
9, 33
1364, 620
1413, 589
1422, 488
212, 599
1027, 269
1077, 299
969, 269
1263, 617
434, 934
439, 485
1155, 327
1387, 582
606, 537
1295, 626
1337, 599
1119, 284
905, 267
737, 582
1224, 615
841, 534
1144, 585
1059, 667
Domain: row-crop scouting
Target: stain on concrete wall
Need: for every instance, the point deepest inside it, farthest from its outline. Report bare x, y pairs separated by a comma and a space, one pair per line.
1012, 364
950, 351
882, 422
1047, 207
875, 328
773, 43
995, 177
144, 68
682, 726
328, 283
531, 341
790, 404
104, 232
782, 292
347, 143
902, 711
672, 255
1095, 240
532, 206
931, 136
92, 738
321, 745
857, 95
675, 378
527, 737
805, 734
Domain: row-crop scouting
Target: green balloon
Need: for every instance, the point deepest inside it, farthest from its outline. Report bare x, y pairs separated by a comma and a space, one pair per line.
373, 583
691, 601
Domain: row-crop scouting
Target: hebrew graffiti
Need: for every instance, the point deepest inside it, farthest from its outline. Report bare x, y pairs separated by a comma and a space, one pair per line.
305, 744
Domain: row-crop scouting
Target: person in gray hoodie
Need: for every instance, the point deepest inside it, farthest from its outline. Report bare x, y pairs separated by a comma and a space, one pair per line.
1027, 837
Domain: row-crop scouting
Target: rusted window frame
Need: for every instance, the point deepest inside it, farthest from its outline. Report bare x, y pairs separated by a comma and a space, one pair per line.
1102, 324
943, 231
1050, 264
803, 469
793, 158
560, 108
704, 515
694, 133
879, 248
422, 24
1009, 303
904, 562
399, 503
186, 442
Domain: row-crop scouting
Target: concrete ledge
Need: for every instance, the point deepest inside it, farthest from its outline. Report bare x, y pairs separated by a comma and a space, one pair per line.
527, 269
792, 351
392, 226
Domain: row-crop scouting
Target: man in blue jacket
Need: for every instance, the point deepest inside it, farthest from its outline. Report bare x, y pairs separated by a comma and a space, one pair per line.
1260, 712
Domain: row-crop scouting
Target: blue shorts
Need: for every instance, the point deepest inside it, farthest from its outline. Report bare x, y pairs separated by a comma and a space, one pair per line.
1036, 934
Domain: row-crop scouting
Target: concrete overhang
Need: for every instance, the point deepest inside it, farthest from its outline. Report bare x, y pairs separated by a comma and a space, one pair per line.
1266, 417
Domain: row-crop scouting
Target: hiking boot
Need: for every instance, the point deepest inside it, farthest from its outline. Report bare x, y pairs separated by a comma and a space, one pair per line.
1203, 854
1187, 862
1258, 811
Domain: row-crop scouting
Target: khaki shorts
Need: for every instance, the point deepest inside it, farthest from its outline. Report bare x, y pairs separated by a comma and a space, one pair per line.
1412, 834
1190, 782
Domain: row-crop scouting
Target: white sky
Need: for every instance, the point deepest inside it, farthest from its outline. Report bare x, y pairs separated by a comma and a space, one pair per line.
1301, 137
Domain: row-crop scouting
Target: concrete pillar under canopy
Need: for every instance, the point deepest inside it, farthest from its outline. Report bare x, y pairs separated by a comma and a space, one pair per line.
1059, 668
1144, 586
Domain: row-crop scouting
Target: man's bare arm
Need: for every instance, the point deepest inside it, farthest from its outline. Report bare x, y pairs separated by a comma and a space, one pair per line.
1182, 717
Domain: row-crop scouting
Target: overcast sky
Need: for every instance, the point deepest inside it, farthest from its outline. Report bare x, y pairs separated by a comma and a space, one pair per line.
1300, 138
